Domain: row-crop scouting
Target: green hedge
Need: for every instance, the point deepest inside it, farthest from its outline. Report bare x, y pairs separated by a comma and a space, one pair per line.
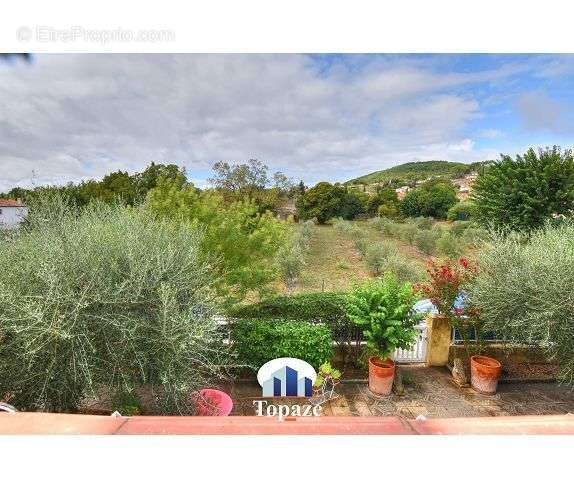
328, 308
461, 211
258, 341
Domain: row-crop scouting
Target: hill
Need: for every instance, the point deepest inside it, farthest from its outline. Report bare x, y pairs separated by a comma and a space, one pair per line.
417, 171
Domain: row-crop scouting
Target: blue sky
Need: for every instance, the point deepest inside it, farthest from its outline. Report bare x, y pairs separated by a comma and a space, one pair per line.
316, 117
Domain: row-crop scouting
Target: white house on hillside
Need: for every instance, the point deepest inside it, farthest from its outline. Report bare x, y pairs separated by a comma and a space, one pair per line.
12, 213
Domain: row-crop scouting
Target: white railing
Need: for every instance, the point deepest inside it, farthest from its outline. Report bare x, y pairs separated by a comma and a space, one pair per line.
418, 352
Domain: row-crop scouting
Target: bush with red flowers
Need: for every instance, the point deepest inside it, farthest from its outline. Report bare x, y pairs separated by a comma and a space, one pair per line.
447, 280
446, 291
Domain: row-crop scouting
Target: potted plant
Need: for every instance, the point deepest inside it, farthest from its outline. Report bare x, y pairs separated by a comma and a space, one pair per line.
446, 292
384, 310
324, 386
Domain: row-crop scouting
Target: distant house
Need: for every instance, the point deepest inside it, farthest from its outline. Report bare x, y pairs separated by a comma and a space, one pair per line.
12, 213
402, 191
465, 185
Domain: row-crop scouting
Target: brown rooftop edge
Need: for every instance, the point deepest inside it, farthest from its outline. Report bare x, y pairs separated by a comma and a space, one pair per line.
53, 423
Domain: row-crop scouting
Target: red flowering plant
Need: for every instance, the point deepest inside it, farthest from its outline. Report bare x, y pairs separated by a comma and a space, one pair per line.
446, 291
447, 280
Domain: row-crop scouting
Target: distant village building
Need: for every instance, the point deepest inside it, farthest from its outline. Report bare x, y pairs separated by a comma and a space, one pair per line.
12, 213
401, 192
464, 185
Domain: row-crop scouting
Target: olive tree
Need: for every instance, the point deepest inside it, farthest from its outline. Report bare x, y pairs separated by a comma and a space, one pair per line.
525, 290
106, 296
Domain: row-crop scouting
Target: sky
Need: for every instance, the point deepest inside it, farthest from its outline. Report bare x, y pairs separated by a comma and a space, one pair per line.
73, 117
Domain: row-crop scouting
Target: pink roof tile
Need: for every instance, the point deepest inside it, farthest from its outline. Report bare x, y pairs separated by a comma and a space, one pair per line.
10, 203
49, 423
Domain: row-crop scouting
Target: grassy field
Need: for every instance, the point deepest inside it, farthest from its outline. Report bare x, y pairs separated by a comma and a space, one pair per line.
333, 262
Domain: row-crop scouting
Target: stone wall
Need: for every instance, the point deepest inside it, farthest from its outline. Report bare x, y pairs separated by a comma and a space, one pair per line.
520, 354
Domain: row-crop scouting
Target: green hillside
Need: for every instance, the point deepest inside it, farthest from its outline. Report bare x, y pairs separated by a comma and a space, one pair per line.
416, 171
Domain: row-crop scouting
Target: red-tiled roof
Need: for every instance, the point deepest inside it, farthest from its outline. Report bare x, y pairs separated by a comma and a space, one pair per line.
54, 423
10, 203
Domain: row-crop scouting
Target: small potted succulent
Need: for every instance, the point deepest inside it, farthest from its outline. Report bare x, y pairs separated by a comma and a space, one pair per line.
384, 310
324, 386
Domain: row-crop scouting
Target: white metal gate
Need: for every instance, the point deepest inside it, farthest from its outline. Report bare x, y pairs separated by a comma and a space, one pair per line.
418, 352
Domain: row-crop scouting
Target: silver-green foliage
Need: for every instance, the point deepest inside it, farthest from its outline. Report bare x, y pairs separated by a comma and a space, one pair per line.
354, 232
525, 290
383, 224
106, 297
291, 258
407, 232
476, 236
405, 269
377, 254
426, 240
450, 246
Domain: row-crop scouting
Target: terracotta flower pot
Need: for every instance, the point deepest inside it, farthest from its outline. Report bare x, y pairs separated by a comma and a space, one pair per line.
484, 374
212, 403
381, 375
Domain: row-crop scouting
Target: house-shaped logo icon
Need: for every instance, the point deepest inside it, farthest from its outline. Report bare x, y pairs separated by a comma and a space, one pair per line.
289, 377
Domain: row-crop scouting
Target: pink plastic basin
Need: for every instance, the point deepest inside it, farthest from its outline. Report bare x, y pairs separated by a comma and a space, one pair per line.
213, 403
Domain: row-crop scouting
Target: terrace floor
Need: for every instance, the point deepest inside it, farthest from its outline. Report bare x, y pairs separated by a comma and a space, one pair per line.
429, 392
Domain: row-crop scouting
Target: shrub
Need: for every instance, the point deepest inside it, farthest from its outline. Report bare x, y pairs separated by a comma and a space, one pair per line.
446, 281
432, 199
361, 245
424, 223
307, 231
457, 228
524, 290
244, 242
341, 225
449, 246
106, 297
405, 270
291, 262
388, 210
325, 201
407, 232
426, 241
386, 226
475, 236
520, 194
356, 233
376, 255
328, 308
447, 289
291, 258
383, 309
461, 211
260, 340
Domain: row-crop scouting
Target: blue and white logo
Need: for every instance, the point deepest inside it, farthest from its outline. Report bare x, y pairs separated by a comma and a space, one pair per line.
286, 377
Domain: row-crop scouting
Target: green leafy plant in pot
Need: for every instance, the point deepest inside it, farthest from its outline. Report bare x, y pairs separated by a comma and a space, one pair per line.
383, 309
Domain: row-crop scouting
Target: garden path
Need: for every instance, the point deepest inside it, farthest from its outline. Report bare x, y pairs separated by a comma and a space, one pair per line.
429, 392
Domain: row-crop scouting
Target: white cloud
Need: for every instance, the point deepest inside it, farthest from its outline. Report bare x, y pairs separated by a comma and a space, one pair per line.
465, 145
69, 117
490, 133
